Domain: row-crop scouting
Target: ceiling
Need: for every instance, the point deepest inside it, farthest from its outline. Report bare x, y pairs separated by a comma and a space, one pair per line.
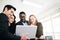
45, 7
40, 8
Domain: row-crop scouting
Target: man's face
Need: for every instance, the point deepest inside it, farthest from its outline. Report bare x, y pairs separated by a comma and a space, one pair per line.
22, 16
10, 12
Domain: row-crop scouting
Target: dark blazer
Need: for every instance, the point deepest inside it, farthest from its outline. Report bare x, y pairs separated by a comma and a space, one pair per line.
20, 22
4, 32
39, 31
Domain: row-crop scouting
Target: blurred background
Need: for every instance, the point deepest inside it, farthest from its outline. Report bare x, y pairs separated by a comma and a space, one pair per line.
46, 11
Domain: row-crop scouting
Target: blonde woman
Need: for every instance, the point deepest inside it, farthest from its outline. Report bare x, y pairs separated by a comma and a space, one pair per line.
33, 21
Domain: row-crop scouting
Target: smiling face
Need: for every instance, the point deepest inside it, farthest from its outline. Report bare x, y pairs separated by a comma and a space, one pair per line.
11, 19
32, 20
22, 16
9, 12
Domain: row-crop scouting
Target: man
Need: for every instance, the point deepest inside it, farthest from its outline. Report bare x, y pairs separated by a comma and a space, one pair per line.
23, 20
4, 25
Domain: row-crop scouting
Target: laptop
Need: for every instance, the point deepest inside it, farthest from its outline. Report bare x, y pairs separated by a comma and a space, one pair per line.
26, 29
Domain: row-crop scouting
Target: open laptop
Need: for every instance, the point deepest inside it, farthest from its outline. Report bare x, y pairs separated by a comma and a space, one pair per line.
29, 30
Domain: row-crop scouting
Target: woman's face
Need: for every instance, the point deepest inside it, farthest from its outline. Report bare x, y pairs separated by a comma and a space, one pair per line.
11, 19
32, 20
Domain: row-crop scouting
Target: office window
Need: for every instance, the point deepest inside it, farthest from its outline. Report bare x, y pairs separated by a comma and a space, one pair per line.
47, 27
56, 25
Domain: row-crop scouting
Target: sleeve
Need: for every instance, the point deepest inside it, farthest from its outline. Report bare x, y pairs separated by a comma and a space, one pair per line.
13, 37
3, 26
39, 30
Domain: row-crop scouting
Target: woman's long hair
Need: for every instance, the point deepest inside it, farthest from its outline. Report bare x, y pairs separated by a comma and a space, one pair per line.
35, 17
12, 26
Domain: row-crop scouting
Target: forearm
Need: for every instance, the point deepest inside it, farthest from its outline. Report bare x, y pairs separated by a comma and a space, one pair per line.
14, 37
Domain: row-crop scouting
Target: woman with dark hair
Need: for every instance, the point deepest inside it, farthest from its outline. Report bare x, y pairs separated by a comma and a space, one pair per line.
12, 26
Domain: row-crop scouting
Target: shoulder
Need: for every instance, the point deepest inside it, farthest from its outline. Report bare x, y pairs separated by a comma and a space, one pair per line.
39, 23
19, 23
3, 16
26, 21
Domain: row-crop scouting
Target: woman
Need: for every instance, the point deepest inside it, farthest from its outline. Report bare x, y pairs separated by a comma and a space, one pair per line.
33, 21
12, 27
12, 24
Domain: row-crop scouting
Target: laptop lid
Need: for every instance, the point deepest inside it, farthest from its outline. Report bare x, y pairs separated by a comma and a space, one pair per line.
29, 30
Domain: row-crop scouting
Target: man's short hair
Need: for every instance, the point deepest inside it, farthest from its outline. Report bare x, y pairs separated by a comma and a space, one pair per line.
9, 7
21, 13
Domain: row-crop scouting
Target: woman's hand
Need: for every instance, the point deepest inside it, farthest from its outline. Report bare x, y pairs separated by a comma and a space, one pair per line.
24, 37
41, 37
36, 38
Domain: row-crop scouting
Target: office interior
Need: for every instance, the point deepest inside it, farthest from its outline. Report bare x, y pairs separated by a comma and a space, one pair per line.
46, 11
